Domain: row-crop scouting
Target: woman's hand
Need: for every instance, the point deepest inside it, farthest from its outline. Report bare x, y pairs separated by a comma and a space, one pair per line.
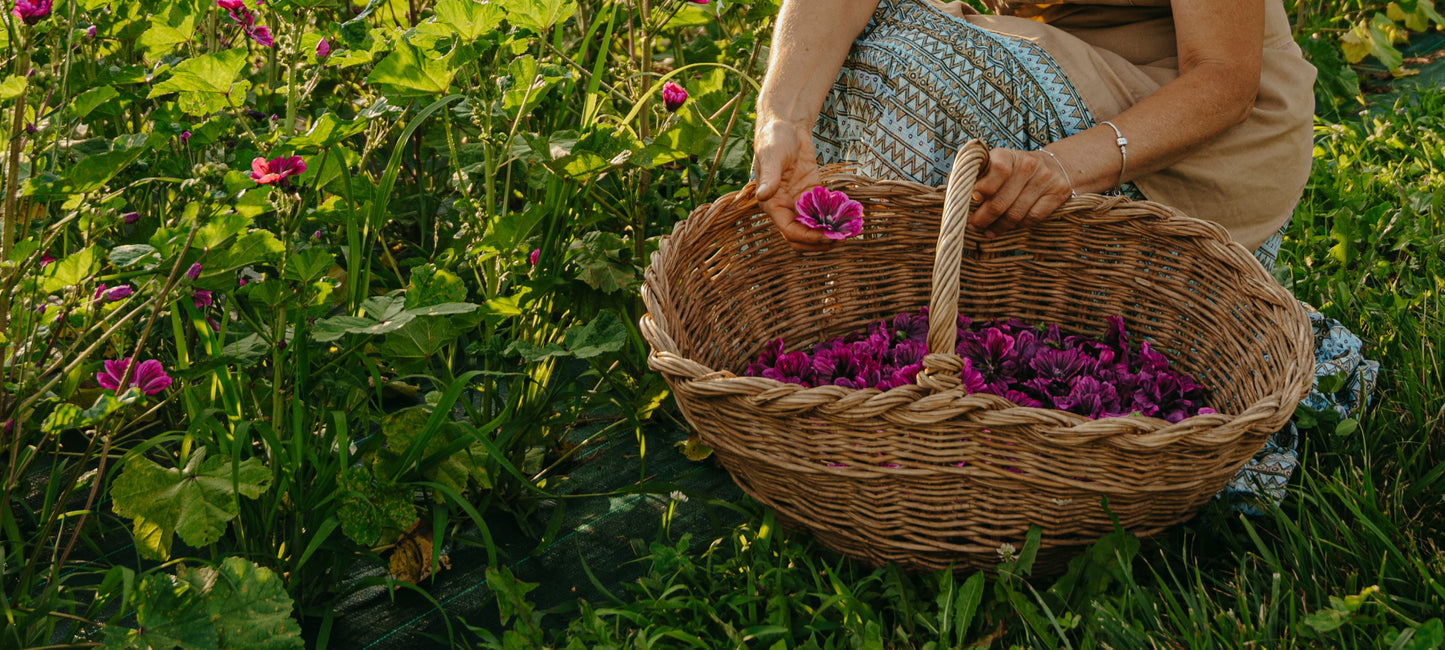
785, 166
1021, 189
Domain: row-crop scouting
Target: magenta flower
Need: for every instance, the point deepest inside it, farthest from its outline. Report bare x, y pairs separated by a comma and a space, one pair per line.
261, 34
536, 254
185, 137
31, 11
194, 272
323, 49
277, 170
673, 96
838, 216
150, 376
202, 299
45, 259
119, 293
130, 217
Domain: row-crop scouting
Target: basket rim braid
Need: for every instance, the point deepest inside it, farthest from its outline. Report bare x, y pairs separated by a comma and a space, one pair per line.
927, 475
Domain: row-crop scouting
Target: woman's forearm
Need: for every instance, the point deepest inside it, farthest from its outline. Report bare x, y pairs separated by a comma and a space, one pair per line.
1219, 50
810, 41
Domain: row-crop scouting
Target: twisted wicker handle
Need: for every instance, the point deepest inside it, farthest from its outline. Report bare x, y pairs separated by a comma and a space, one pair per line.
969, 164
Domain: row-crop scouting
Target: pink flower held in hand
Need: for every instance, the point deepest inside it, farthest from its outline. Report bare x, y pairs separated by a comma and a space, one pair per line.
323, 49
31, 11
838, 216
277, 170
150, 376
673, 96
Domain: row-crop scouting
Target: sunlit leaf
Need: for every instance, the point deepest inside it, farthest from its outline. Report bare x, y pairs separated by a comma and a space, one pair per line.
409, 72
194, 502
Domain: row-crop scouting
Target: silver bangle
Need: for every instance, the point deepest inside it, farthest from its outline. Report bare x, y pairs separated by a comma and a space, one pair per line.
1123, 143
1072, 193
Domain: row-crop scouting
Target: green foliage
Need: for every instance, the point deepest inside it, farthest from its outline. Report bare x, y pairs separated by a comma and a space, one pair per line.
195, 501
235, 606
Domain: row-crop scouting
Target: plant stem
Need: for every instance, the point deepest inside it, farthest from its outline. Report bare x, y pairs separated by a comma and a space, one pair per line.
12, 174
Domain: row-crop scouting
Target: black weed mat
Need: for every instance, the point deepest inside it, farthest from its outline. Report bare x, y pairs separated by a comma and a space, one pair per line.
608, 533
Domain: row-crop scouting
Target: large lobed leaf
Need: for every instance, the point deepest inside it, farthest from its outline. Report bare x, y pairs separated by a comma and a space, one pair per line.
195, 502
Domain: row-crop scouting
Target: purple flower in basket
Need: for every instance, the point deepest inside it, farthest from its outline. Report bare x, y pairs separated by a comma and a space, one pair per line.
908, 353
1060, 365
1022, 399
909, 328
767, 359
971, 380
993, 354
838, 216
792, 368
904, 376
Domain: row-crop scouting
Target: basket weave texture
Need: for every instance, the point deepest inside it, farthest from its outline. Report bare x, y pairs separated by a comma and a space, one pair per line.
973, 472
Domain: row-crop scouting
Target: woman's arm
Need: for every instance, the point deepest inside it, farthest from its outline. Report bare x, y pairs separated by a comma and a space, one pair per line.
810, 41
1220, 43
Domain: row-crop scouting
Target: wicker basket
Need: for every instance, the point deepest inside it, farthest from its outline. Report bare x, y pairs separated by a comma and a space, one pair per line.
972, 471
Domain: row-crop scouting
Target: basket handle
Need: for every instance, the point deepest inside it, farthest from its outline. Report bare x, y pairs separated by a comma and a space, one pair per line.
942, 366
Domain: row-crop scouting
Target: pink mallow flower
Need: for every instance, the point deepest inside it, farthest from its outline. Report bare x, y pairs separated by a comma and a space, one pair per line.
838, 216
150, 376
201, 299
673, 96
323, 49
194, 272
276, 170
261, 34
119, 293
536, 254
31, 11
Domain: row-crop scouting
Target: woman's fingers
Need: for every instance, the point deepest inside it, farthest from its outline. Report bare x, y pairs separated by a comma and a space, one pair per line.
1019, 191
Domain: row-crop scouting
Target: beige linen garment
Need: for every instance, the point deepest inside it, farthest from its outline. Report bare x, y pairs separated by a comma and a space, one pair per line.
1117, 52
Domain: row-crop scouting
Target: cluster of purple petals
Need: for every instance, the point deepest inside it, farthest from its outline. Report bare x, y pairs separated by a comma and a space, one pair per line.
1031, 366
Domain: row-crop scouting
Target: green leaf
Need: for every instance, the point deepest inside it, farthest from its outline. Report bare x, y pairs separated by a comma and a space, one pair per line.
420, 337
129, 254
247, 351
169, 613
328, 130
174, 27
409, 72
468, 18
195, 502
90, 100
307, 265
225, 226
107, 404
532, 354
11, 87
444, 309
433, 286
370, 507
333, 328
65, 416
603, 334
966, 605
248, 605
209, 73
539, 15
92, 172
511, 594
70, 271
249, 248
598, 256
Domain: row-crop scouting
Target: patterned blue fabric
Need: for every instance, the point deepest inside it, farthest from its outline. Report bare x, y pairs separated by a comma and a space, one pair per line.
919, 83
